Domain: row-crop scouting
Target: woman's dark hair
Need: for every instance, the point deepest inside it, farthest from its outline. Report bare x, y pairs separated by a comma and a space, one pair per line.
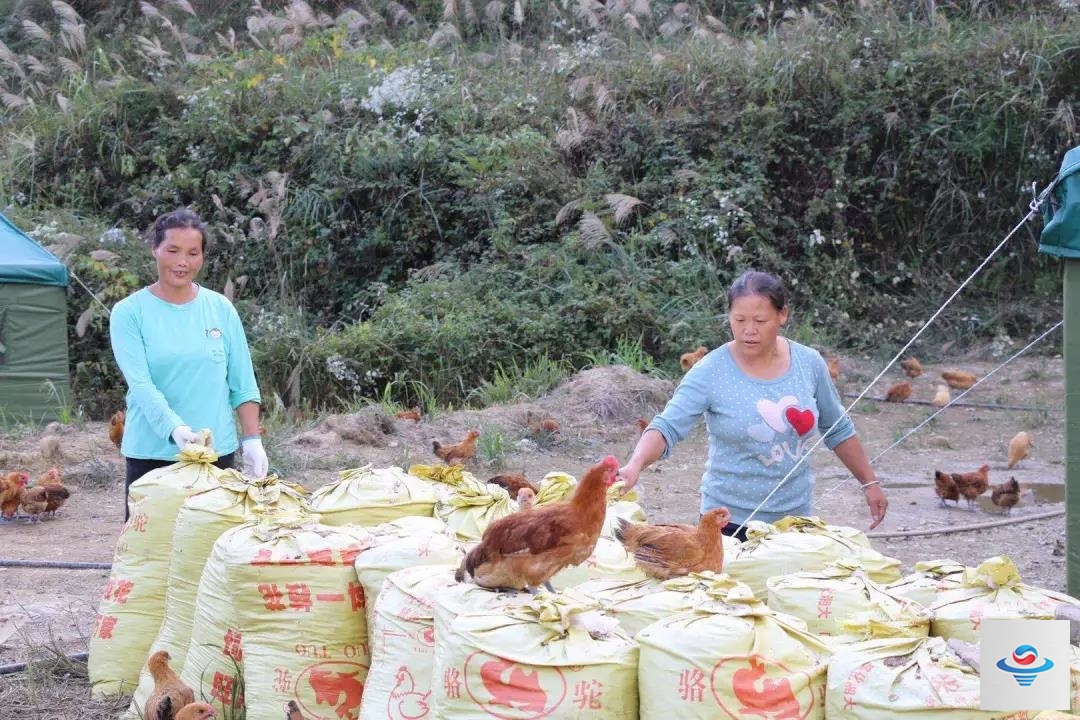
753, 282
180, 218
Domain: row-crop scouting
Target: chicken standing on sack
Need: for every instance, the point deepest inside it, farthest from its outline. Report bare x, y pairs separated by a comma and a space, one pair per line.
513, 483
666, 551
169, 690
525, 550
457, 454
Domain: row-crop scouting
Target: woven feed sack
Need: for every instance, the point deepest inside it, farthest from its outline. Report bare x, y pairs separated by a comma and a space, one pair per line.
553, 657
133, 602
902, 678
992, 590
403, 644
202, 518
471, 506
841, 602
931, 577
638, 604
299, 607
367, 496
401, 544
609, 559
731, 657
797, 544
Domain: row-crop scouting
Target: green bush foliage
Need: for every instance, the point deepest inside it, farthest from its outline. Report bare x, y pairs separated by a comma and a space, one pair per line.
427, 197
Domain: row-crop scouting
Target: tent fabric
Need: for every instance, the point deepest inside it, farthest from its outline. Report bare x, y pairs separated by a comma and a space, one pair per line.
24, 261
1061, 214
34, 381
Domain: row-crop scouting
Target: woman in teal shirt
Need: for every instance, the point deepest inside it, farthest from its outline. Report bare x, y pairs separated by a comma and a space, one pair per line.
185, 358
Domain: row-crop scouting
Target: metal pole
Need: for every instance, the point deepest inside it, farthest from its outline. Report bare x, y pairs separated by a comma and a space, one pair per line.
1071, 348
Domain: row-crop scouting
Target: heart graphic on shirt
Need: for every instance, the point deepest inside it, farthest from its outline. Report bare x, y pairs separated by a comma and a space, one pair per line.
773, 412
761, 432
801, 420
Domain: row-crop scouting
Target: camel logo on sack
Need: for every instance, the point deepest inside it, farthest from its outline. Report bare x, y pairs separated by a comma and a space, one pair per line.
1025, 664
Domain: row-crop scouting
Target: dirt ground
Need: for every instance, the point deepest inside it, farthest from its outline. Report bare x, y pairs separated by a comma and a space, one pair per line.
41, 608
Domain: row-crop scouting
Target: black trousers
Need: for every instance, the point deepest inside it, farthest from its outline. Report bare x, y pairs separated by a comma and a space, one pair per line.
137, 467
730, 529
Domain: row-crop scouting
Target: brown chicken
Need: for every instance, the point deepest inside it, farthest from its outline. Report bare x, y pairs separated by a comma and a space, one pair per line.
899, 392
1019, 448
688, 360
958, 379
513, 483
641, 424
1006, 495
41, 499
665, 551
912, 367
972, 484
412, 413
116, 427
459, 453
834, 368
945, 488
12, 490
941, 397
191, 711
292, 711
58, 492
169, 690
522, 551
526, 499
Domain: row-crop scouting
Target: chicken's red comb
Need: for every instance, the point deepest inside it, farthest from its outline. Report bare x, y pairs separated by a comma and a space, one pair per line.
610, 462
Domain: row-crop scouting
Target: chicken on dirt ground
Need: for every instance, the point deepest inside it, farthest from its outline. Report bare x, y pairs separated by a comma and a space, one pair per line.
524, 550
169, 690
458, 453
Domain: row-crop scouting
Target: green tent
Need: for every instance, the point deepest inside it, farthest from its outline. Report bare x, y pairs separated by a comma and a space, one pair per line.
34, 383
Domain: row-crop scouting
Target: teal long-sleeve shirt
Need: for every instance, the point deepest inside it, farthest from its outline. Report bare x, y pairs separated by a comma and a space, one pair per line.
758, 429
184, 365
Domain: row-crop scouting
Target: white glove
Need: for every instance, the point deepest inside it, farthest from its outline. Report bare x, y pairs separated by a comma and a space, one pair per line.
256, 463
183, 435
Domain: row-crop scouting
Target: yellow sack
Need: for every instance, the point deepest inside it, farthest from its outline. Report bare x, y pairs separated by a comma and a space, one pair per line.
451, 476
300, 610
471, 506
278, 616
555, 486
795, 544
133, 603
638, 604
841, 602
366, 496
893, 678
403, 643
554, 657
731, 657
609, 559
400, 544
621, 509
931, 578
203, 517
992, 590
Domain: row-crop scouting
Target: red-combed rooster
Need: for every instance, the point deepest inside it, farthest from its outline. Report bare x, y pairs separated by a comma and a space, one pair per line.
525, 550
